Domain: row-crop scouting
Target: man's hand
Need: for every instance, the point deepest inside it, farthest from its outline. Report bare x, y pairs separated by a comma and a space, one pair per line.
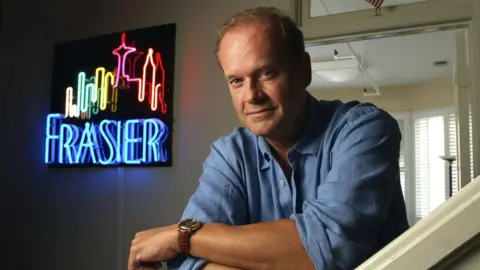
153, 246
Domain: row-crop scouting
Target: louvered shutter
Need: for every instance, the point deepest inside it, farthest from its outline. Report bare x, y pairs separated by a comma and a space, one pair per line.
402, 165
429, 144
452, 149
470, 135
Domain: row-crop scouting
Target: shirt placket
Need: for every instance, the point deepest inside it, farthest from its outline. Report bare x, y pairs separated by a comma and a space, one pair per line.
293, 159
285, 195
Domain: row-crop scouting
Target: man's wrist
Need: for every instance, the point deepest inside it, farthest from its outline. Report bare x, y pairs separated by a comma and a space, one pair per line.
187, 228
174, 239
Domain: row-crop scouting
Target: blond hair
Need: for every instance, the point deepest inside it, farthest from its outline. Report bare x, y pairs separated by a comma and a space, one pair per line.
281, 25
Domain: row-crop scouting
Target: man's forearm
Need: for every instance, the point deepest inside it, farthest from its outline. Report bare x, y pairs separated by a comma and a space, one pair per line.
268, 245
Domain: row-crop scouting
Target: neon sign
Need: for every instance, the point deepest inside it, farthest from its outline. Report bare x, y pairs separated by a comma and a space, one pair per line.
116, 113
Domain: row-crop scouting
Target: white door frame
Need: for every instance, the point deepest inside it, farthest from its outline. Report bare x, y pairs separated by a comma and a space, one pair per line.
405, 19
462, 90
408, 148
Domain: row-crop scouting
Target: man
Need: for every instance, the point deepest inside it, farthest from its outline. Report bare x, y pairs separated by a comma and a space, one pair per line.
306, 184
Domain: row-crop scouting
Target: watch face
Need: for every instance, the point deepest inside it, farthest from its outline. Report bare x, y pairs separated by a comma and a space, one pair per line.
189, 224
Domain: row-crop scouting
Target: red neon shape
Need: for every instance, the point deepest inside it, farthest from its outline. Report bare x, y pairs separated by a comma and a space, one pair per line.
156, 91
130, 68
122, 59
153, 93
161, 85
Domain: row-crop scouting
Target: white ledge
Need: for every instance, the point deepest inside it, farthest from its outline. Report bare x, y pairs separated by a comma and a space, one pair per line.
435, 236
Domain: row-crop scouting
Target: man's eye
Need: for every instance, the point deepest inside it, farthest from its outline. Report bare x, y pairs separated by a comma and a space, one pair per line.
268, 73
235, 81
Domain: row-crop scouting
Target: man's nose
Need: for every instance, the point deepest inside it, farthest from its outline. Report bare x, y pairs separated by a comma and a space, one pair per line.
252, 91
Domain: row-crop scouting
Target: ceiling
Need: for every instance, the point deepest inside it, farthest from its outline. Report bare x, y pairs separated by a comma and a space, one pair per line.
391, 61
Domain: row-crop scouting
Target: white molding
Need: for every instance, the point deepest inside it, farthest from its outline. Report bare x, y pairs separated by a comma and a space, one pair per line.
474, 63
404, 115
462, 95
443, 111
297, 11
434, 237
395, 20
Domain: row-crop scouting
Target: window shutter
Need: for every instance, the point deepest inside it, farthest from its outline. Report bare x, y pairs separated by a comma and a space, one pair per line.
452, 149
421, 167
470, 135
429, 140
403, 167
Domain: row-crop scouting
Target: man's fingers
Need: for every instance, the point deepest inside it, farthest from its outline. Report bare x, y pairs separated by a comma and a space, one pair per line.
145, 266
135, 262
132, 261
150, 265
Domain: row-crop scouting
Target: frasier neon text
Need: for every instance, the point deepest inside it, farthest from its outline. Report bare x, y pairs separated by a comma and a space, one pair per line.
134, 141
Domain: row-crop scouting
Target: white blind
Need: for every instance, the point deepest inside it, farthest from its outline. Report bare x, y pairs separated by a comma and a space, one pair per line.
452, 149
403, 167
470, 135
429, 144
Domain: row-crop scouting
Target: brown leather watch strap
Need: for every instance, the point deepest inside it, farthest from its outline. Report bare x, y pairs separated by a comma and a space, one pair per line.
184, 241
186, 228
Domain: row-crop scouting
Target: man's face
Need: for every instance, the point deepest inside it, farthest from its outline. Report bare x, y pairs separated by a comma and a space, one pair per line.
266, 88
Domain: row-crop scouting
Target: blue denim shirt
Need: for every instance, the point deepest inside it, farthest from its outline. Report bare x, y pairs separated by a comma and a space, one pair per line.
344, 193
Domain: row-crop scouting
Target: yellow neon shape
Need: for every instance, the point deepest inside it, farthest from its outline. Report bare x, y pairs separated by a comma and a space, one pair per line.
113, 105
108, 82
68, 101
99, 76
88, 90
81, 105
74, 110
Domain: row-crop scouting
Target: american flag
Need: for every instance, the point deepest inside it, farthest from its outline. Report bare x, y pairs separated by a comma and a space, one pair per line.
375, 3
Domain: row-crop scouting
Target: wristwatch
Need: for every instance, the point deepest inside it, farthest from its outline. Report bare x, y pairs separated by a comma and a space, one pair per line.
186, 228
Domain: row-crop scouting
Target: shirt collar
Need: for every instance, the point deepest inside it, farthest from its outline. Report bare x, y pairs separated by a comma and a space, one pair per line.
309, 142
265, 151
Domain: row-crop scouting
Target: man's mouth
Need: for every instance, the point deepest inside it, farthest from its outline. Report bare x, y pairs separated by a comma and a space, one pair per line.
260, 111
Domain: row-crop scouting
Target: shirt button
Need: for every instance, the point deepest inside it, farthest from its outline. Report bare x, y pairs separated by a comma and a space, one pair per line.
282, 182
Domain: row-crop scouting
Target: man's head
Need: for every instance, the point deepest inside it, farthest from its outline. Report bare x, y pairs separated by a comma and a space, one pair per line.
262, 54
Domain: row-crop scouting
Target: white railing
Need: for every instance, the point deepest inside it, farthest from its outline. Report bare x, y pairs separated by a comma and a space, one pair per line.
434, 237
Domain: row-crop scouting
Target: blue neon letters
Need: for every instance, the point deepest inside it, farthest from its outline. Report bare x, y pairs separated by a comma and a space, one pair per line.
135, 141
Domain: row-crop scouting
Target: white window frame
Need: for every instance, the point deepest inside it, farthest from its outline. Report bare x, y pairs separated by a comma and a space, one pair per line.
409, 183
402, 20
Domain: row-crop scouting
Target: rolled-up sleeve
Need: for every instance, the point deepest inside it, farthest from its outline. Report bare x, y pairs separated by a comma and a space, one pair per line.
339, 228
219, 197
